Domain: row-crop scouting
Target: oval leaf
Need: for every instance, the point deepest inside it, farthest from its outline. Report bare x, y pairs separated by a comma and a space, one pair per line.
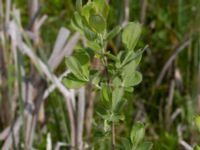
131, 34
132, 79
74, 66
84, 60
137, 133
73, 82
102, 7
90, 35
117, 95
98, 23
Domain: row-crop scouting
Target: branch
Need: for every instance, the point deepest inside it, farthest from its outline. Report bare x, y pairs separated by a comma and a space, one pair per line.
143, 10
185, 145
67, 94
80, 117
170, 61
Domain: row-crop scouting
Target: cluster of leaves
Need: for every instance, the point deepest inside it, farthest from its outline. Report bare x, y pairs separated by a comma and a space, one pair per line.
118, 75
136, 139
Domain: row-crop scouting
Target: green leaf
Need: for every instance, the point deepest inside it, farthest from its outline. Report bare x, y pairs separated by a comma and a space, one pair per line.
77, 22
98, 23
132, 79
130, 76
197, 147
120, 104
113, 33
86, 10
128, 56
129, 69
81, 24
117, 82
89, 34
126, 144
131, 34
88, 31
105, 96
101, 111
82, 56
102, 7
93, 45
79, 64
74, 66
197, 121
84, 60
117, 95
137, 133
105, 93
73, 82
145, 146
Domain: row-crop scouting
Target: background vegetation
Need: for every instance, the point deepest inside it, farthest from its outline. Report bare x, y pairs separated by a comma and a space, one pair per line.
166, 101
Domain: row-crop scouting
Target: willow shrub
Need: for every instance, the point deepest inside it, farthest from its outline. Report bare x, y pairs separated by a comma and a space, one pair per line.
119, 73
